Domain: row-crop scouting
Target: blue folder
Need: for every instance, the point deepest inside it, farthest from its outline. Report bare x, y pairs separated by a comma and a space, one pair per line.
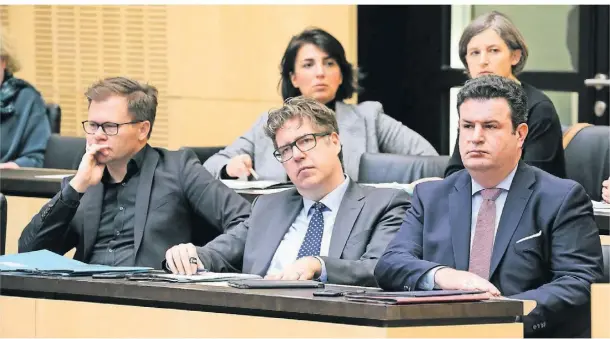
45, 262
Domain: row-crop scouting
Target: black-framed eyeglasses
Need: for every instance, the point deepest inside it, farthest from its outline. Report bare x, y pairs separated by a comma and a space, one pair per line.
304, 144
109, 128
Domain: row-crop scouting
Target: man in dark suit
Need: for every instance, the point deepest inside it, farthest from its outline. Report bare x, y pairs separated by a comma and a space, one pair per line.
500, 225
129, 202
328, 228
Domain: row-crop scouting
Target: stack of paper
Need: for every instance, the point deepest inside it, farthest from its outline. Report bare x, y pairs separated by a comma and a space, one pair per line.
200, 277
45, 262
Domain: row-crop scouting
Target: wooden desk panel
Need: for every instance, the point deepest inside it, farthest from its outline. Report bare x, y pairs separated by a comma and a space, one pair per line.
600, 311
74, 307
17, 317
44, 318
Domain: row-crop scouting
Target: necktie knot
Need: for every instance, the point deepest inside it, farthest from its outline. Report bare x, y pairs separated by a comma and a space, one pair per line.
318, 207
491, 193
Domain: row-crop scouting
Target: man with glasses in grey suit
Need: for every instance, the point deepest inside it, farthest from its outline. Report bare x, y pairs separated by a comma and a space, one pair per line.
328, 228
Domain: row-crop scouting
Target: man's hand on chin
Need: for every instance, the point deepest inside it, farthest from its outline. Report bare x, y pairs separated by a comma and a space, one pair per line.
306, 268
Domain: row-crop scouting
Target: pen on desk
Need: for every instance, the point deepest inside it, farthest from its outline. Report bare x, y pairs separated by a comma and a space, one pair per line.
254, 174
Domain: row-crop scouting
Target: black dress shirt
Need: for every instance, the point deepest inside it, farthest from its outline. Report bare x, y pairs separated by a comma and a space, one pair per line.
114, 243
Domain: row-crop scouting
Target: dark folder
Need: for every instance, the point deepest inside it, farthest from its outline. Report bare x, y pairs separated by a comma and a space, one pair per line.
264, 283
419, 297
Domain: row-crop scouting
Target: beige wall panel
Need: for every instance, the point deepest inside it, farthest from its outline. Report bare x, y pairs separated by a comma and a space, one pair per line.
209, 55
20, 23
196, 122
20, 212
234, 52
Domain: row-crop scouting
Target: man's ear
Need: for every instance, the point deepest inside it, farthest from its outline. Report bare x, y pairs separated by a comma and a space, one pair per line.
521, 133
144, 130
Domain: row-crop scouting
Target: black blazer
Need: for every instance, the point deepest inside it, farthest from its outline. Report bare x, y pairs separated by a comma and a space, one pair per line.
543, 146
176, 198
547, 246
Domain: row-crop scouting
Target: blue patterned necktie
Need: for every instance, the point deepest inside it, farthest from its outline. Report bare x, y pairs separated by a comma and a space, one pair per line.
313, 237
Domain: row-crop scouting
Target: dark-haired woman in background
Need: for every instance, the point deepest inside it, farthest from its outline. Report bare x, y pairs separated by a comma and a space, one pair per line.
491, 44
314, 65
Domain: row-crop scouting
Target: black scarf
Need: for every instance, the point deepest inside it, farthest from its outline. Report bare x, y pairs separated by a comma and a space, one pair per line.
8, 93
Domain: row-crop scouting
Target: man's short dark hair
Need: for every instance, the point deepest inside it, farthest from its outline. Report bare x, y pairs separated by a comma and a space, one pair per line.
494, 86
301, 107
142, 98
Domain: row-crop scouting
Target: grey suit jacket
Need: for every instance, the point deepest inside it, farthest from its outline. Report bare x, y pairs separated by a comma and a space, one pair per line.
364, 128
177, 201
368, 218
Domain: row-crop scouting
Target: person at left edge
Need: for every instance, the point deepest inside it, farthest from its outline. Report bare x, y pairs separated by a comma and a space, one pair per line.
128, 201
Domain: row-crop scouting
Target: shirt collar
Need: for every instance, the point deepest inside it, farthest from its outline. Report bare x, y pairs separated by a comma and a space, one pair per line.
332, 200
133, 166
504, 184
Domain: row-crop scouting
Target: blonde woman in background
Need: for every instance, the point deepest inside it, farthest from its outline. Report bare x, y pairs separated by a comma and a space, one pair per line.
24, 125
492, 44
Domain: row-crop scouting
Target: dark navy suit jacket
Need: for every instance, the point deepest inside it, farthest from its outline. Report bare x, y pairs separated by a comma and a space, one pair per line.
555, 269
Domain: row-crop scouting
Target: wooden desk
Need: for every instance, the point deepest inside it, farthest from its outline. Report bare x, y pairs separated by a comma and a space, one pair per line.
82, 307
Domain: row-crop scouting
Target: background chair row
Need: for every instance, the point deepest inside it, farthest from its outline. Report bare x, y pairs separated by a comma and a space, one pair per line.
587, 153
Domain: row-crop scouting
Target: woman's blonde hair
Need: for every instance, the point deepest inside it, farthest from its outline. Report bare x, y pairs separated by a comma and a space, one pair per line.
7, 52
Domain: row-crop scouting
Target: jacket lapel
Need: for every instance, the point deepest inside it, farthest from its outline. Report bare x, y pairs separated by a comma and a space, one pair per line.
346, 218
147, 172
278, 225
516, 201
92, 215
460, 206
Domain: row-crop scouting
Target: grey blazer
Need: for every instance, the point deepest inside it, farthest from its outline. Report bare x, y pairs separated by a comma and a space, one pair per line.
367, 220
363, 128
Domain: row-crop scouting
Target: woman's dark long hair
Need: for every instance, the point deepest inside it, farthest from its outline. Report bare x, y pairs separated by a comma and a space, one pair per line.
329, 44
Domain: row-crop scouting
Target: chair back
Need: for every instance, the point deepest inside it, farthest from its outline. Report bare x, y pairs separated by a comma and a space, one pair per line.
587, 156
203, 153
605, 240
54, 115
64, 152
3, 209
379, 168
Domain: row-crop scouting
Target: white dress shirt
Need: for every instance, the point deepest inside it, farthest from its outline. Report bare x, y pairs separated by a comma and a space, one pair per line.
426, 282
288, 249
